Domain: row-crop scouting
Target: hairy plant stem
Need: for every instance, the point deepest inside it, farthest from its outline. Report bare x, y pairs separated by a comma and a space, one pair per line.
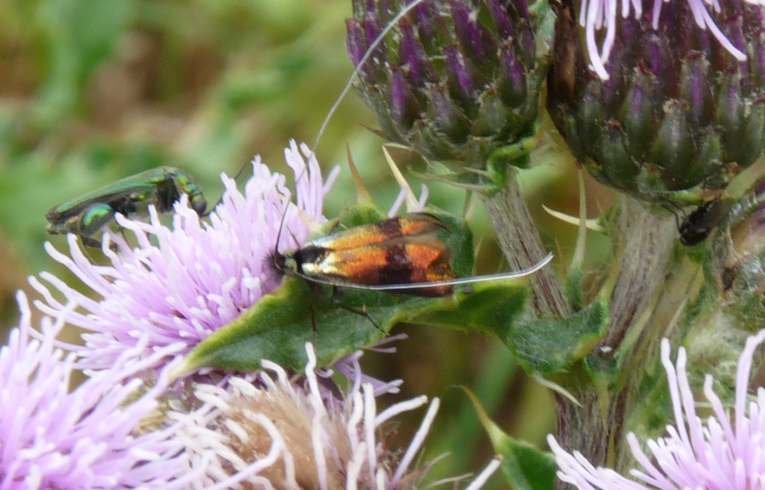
519, 239
647, 243
643, 246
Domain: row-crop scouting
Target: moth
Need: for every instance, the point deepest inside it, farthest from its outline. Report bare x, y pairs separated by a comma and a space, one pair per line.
404, 254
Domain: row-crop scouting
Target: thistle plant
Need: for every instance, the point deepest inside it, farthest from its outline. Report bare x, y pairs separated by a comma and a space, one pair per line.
662, 102
89, 437
738, 258
137, 421
721, 452
207, 363
127, 426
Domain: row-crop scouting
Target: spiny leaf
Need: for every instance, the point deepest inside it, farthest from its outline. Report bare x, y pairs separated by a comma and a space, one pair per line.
279, 324
487, 308
552, 345
362, 193
524, 466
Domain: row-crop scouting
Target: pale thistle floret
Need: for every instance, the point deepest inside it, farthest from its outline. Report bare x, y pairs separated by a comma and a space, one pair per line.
717, 453
283, 434
87, 437
180, 283
600, 17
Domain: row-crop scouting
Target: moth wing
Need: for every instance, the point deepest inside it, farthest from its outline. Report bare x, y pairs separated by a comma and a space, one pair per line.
399, 260
381, 232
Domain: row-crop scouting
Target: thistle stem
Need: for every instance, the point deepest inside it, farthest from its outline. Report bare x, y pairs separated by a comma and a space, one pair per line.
647, 245
520, 242
644, 244
597, 428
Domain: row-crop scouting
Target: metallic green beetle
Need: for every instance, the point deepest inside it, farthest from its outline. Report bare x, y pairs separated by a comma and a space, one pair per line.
161, 186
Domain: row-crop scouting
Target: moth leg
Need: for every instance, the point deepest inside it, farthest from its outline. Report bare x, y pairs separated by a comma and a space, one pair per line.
312, 308
336, 292
313, 322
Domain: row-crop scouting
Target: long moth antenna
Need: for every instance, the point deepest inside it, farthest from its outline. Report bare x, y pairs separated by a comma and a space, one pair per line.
281, 226
432, 284
360, 66
344, 92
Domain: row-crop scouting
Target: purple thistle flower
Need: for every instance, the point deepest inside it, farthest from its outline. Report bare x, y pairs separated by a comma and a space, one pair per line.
277, 433
719, 453
181, 283
601, 15
89, 437
114, 431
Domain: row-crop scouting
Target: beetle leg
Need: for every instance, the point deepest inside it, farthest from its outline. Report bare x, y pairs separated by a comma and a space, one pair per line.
90, 242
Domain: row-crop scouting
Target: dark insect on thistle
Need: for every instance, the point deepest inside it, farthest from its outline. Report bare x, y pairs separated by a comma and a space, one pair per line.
697, 226
88, 214
403, 254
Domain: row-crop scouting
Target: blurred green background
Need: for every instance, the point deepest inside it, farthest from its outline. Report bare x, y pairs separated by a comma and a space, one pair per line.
95, 90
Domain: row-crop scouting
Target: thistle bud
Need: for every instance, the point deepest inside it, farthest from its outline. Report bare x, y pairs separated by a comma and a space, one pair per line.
739, 258
663, 105
457, 79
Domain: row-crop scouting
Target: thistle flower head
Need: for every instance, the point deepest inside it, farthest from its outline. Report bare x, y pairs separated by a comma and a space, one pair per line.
181, 283
457, 79
89, 437
300, 435
721, 451
116, 431
680, 110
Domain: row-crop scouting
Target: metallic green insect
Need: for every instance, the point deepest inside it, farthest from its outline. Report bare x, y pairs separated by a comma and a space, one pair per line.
161, 187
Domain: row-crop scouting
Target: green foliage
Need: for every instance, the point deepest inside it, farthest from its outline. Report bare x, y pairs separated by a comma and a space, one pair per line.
95, 91
524, 466
78, 36
551, 345
278, 326
574, 288
486, 308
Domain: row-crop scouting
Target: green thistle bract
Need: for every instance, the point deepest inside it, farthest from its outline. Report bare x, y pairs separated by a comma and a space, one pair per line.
456, 80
